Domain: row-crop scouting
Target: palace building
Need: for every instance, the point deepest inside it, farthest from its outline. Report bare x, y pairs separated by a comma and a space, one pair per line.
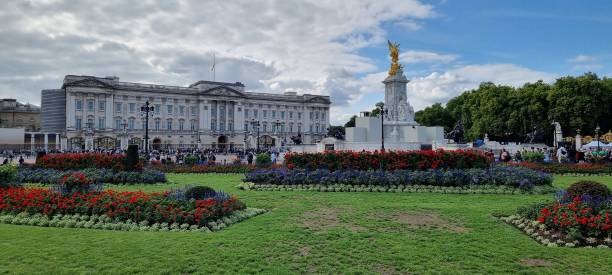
102, 112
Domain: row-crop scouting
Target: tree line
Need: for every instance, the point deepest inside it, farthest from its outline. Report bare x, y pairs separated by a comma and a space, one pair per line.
508, 113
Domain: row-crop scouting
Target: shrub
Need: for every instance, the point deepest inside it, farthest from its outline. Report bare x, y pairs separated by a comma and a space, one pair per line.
51, 176
199, 192
131, 160
8, 175
534, 156
263, 159
499, 176
533, 210
565, 168
393, 160
84, 160
190, 160
591, 188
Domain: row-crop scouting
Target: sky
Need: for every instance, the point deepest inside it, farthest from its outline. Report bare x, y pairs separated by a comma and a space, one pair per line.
336, 48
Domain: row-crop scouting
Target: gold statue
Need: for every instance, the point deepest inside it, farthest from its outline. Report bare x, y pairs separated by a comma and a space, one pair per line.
394, 53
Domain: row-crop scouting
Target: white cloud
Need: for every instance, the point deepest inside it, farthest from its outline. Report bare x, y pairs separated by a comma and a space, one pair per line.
441, 86
412, 56
276, 45
582, 58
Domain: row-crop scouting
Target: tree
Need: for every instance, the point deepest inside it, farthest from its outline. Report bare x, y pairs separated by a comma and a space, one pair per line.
351, 122
336, 132
435, 115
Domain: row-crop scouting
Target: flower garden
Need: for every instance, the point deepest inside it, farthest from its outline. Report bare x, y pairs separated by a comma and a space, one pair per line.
435, 212
459, 172
579, 216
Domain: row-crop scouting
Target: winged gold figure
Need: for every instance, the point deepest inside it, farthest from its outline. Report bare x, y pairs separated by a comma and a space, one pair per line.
394, 53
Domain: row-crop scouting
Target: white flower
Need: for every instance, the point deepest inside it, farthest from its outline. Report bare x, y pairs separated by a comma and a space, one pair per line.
591, 240
602, 246
570, 245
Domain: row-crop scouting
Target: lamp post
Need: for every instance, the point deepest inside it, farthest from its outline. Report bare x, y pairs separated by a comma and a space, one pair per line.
597, 136
256, 125
381, 108
146, 109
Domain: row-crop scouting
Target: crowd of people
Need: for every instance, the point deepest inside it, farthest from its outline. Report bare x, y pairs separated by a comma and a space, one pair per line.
560, 155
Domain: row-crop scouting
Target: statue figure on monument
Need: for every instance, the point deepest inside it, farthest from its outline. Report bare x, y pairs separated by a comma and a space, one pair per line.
394, 53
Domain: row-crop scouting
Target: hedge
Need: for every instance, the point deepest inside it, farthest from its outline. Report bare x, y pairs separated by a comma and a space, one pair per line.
388, 160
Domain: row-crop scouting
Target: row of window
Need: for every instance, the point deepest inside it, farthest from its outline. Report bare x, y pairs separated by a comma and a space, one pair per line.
133, 108
130, 124
273, 113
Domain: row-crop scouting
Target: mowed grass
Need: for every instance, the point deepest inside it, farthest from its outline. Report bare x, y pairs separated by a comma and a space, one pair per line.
312, 232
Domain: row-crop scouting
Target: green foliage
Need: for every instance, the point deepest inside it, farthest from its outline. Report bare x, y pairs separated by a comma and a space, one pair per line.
351, 122
575, 102
131, 160
336, 132
263, 159
8, 175
199, 192
436, 115
534, 156
532, 211
586, 187
190, 160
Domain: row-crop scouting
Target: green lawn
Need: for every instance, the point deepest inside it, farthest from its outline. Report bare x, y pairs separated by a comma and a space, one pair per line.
310, 232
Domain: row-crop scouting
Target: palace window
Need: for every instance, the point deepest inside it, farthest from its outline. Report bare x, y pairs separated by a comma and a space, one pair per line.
317, 115
193, 125
273, 114
101, 105
118, 123
290, 127
182, 110
131, 123
78, 104
265, 114
77, 125
322, 115
101, 123
157, 124
255, 113
265, 126
246, 126
246, 113
213, 124
118, 107
132, 108
157, 109
169, 109
194, 111
169, 123
290, 115
143, 123
311, 115
299, 127
282, 114
90, 105
181, 125
299, 115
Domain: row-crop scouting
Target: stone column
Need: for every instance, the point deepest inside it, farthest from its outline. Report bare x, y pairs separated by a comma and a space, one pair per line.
578, 142
32, 141
57, 141
46, 142
64, 143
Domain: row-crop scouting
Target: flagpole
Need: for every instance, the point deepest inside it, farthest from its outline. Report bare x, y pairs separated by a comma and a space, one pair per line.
214, 69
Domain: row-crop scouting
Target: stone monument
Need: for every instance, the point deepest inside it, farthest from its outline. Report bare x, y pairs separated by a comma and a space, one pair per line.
399, 128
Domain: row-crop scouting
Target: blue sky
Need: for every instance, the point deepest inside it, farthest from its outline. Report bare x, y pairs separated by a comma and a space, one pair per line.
335, 48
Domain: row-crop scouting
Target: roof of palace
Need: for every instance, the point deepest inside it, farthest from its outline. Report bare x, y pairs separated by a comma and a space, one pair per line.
201, 87
12, 105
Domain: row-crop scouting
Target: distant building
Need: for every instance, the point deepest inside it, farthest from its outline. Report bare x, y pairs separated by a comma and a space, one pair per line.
97, 112
15, 114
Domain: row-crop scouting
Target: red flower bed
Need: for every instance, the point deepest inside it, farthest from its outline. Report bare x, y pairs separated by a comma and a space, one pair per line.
578, 217
567, 168
73, 161
391, 160
120, 206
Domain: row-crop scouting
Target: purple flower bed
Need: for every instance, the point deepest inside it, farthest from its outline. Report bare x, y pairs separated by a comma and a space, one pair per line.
515, 177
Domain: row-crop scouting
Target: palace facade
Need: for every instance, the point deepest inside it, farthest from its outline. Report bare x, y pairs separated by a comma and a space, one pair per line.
99, 112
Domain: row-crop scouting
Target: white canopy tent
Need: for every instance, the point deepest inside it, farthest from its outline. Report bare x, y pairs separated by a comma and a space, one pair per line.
593, 144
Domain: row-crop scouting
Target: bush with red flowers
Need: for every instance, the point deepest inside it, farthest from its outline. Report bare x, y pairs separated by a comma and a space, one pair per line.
566, 168
389, 160
75, 181
75, 161
568, 221
143, 208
